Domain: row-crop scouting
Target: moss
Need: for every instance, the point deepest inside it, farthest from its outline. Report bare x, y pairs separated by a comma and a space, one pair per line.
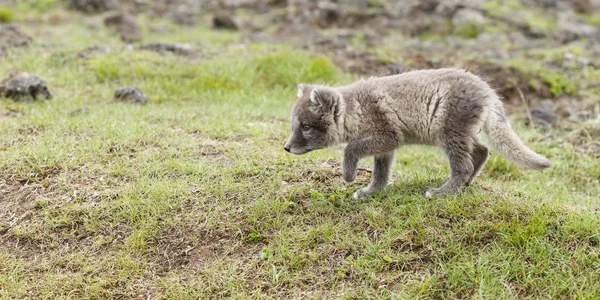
6, 15
540, 23
514, 10
431, 37
557, 83
556, 54
591, 19
469, 31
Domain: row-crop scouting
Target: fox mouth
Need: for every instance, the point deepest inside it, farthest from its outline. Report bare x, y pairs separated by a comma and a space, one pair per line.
300, 151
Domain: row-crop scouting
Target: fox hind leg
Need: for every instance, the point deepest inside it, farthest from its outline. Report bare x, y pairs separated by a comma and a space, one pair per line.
479, 156
458, 150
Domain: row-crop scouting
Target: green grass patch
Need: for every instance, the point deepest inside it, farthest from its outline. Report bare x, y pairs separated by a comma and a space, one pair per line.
6, 15
192, 197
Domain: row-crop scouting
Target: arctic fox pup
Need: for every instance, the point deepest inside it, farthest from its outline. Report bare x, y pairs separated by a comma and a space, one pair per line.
443, 107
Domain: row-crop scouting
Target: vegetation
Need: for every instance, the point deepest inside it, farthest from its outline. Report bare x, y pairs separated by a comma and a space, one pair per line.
192, 196
6, 15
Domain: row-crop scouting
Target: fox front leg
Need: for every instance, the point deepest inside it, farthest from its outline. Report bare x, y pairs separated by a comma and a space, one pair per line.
370, 146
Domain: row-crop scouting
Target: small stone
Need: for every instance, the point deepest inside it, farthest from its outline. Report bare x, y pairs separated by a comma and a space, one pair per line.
126, 26
23, 86
184, 18
395, 68
467, 16
571, 29
130, 94
93, 6
223, 20
543, 115
12, 36
93, 51
176, 49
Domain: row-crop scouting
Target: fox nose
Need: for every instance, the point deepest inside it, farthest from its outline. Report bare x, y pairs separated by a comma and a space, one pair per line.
286, 149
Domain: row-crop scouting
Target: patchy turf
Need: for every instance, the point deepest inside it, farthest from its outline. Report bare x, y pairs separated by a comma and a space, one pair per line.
192, 196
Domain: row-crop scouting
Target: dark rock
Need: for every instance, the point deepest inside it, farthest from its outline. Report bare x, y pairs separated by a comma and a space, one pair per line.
396, 68
570, 30
93, 6
327, 13
93, 51
543, 115
223, 20
365, 63
12, 36
467, 16
126, 26
80, 111
130, 94
184, 18
23, 86
176, 49
583, 6
318, 41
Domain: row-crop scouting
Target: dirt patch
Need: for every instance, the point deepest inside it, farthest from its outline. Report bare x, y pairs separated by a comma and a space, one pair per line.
13, 36
512, 85
195, 247
126, 26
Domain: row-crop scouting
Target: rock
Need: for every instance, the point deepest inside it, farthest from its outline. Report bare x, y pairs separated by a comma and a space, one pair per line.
467, 16
570, 30
23, 86
395, 68
543, 115
176, 49
77, 112
126, 26
570, 58
93, 51
184, 18
326, 13
408, 8
12, 36
583, 6
130, 94
223, 20
318, 41
93, 6
365, 63
242, 3
468, 23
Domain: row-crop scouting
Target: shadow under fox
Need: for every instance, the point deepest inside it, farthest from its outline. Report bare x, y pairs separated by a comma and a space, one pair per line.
443, 107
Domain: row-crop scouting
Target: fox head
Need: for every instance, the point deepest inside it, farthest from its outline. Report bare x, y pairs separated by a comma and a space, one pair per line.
316, 119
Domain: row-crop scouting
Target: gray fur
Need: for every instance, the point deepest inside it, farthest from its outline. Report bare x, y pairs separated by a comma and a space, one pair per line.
444, 107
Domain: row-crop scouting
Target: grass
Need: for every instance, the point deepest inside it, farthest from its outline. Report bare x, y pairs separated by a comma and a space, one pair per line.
191, 195
518, 13
6, 15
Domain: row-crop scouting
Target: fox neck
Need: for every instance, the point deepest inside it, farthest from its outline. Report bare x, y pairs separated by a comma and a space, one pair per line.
348, 126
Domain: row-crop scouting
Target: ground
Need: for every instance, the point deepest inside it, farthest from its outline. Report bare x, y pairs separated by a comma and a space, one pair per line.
191, 195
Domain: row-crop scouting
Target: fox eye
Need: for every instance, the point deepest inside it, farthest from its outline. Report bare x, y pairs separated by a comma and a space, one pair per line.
305, 127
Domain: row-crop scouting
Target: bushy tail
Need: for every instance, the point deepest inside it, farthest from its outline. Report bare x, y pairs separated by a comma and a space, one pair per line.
504, 140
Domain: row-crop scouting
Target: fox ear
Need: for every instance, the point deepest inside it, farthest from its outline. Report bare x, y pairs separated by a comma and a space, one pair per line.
328, 100
316, 97
300, 92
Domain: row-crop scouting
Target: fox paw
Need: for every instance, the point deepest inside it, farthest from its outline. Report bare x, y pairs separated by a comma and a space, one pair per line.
361, 193
437, 193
